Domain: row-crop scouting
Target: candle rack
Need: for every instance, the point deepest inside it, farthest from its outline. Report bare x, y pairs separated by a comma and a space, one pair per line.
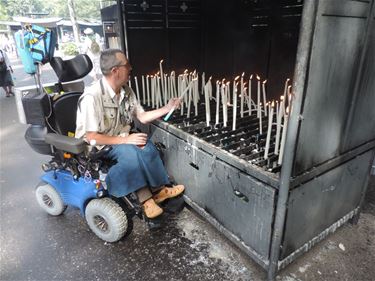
273, 212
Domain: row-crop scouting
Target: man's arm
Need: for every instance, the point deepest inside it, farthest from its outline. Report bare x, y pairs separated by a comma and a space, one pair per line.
101, 139
149, 116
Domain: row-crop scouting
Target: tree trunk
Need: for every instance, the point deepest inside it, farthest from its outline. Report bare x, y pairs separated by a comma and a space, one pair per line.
73, 20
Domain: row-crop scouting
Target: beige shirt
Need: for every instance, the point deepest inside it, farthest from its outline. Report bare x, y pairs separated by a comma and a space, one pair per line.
101, 111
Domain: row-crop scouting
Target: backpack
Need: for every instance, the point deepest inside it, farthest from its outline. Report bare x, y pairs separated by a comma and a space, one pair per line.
42, 43
3, 65
24, 52
94, 47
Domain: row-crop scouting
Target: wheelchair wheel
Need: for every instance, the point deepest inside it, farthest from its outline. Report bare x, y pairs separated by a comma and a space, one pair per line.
49, 199
106, 219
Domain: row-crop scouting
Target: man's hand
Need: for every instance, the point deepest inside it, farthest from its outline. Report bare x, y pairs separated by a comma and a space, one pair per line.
173, 103
139, 139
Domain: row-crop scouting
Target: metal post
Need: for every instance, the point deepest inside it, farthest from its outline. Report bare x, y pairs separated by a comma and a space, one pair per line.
300, 76
122, 26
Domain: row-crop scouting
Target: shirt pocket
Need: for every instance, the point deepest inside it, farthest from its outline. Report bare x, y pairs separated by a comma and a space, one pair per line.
109, 117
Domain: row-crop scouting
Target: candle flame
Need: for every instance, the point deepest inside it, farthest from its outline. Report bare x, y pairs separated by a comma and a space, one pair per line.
281, 98
228, 83
161, 61
210, 78
245, 89
186, 71
251, 76
258, 77
265, 81
273, 104
238, 77
243, 74
287, 80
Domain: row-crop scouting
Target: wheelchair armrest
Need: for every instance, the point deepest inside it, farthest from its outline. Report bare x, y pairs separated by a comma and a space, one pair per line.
95, 154
65, 143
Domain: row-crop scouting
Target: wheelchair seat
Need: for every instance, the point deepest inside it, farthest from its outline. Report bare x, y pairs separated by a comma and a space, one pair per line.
72, 69
65, 112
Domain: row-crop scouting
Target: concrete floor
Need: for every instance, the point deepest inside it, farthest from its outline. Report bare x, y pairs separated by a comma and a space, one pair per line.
36, 246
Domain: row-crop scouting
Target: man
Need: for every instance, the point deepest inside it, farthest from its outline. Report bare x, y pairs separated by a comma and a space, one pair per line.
6, 80
104, 116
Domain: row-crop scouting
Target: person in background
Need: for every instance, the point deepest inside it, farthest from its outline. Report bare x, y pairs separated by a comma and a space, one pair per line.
6, 80
92, 49
105, 113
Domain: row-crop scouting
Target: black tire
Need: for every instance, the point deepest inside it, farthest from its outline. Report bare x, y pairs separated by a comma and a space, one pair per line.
49, 199
106, 219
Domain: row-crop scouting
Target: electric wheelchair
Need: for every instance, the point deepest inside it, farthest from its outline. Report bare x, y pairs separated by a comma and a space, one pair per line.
75, 176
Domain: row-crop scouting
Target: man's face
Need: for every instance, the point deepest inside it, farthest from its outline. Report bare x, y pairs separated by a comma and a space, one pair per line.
123, 69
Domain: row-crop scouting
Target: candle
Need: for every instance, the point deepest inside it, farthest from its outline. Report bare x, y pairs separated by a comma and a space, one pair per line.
217, 102
203, 82
196, 96
207, 103
148, 91
234, 106
152, 91
289, 96
259, 114
268, 139
189, 101
234, 85
181, 98
264, 96
283, 138
260, 120
136, 87
224, 102
250, 100
161, 74
165, 89
242, 93
285, 91
279, 116
143, 90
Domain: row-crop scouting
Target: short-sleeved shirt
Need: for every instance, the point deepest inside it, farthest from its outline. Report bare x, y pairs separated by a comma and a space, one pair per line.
101, 110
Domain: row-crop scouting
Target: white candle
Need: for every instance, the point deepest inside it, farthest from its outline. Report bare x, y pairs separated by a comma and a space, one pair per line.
234, 106
260, 119
242, 94
250, 100
217, 102
143, 90
189, 101
148, 91
268, 139
279, 117
207, 102
161, 75
283, 138
258, 99
136, 87
264, 96
152, 91
224, 103
285, 91
196, 96
203, 82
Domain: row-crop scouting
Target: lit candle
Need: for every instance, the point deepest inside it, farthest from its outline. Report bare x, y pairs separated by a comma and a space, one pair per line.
189, 101
207, 103
289, 96
224, 102
264, 96
283, 138
165, 89
285, 91
143, 90
234, 85
258, 98
242, 94
148, 91
217, 102
260, 119
161, 75
152, 91
279, 117
268, 139
250, 100
196, 96
158, 95
234, 106
136, 87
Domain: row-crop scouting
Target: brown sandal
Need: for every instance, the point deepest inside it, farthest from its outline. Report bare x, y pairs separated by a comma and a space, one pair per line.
168, 192
151, 209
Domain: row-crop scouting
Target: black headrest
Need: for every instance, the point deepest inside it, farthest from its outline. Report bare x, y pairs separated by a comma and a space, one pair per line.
73, 69
65, 112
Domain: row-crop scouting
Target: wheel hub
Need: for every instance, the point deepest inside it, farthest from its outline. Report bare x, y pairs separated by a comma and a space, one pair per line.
47, 201
101, 223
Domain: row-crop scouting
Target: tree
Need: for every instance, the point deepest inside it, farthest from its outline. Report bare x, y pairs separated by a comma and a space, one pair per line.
73, 20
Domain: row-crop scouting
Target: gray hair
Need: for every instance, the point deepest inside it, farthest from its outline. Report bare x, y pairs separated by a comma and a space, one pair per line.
109, 60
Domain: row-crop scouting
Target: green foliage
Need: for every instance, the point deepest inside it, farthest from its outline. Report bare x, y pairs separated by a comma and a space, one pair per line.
70, 49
